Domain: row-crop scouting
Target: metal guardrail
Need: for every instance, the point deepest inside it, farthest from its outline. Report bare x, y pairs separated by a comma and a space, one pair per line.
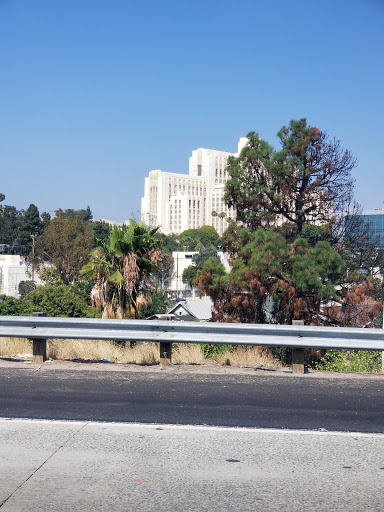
39, 329
192, 332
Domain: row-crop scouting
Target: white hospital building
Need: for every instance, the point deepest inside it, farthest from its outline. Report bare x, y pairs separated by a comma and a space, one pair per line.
177, 202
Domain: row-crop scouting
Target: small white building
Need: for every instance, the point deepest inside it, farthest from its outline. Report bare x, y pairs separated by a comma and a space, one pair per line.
13, 270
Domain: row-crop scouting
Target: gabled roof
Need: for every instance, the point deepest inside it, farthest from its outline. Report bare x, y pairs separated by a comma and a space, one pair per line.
201, 309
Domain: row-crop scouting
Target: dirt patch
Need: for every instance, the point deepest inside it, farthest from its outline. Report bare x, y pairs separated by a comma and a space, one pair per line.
207, 368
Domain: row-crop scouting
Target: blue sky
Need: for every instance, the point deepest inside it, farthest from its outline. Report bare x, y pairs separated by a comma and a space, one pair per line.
96, 93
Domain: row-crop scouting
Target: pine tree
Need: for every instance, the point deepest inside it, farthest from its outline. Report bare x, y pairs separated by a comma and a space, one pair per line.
304, 182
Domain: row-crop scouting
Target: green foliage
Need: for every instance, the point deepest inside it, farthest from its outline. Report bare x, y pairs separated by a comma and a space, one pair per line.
204, 254
169, 242
314, 233
297, 277
195, 239
157, 303
101, 230
316, 270
10, 306
66, 243
84, 215
48, 275
45, 219
83, 289
30, 225
57, 300
189, 275
213, 279
60, 301
350, 361
301, 183
122, 268
17, 228
26, 287
9, 227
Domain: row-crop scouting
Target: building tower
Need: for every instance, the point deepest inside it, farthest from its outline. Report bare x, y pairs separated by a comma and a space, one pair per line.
177, 202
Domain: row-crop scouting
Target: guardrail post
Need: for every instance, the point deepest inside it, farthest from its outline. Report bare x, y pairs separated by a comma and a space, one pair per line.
165, 353
39, 349
297, 354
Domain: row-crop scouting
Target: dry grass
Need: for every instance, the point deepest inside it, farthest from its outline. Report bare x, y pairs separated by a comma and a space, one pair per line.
247, 356
13, 346
187, 353
142, 353
97, 350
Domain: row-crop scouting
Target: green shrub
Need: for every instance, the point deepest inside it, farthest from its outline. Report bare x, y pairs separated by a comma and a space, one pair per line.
9, 306
350, 361
60, 300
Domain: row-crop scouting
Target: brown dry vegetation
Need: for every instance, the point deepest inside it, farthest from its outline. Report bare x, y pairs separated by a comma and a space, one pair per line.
142, 353
247, 356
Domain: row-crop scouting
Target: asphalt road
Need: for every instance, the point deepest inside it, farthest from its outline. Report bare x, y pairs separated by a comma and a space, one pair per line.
154, 458
235, 400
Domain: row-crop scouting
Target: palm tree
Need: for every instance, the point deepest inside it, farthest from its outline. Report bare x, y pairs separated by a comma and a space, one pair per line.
122, 268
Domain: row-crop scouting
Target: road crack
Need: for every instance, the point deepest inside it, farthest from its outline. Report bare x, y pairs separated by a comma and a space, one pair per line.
43, 464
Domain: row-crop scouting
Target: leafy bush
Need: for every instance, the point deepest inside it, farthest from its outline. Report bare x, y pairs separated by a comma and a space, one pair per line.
158, 303
9, 306
60, 300
26, 287
350, 361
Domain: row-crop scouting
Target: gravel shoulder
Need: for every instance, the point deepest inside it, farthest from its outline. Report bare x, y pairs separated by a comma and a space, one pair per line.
207, 368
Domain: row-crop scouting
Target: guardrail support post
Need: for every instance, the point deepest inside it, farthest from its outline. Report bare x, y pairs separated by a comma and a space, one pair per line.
297, 354
297, 360
165, 353
39, 349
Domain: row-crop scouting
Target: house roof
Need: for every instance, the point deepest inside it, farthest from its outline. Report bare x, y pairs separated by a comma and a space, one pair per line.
197, 308
161, 316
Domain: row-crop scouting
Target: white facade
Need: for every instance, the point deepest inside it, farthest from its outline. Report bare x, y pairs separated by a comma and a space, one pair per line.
13, 269
177, 202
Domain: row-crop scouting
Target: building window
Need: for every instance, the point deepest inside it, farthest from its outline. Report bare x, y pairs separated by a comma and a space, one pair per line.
199, 170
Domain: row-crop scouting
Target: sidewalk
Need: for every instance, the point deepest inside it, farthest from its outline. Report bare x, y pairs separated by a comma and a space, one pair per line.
85, 466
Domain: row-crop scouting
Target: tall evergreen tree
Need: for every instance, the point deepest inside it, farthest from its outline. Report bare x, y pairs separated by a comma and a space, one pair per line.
297, 277
305, 181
